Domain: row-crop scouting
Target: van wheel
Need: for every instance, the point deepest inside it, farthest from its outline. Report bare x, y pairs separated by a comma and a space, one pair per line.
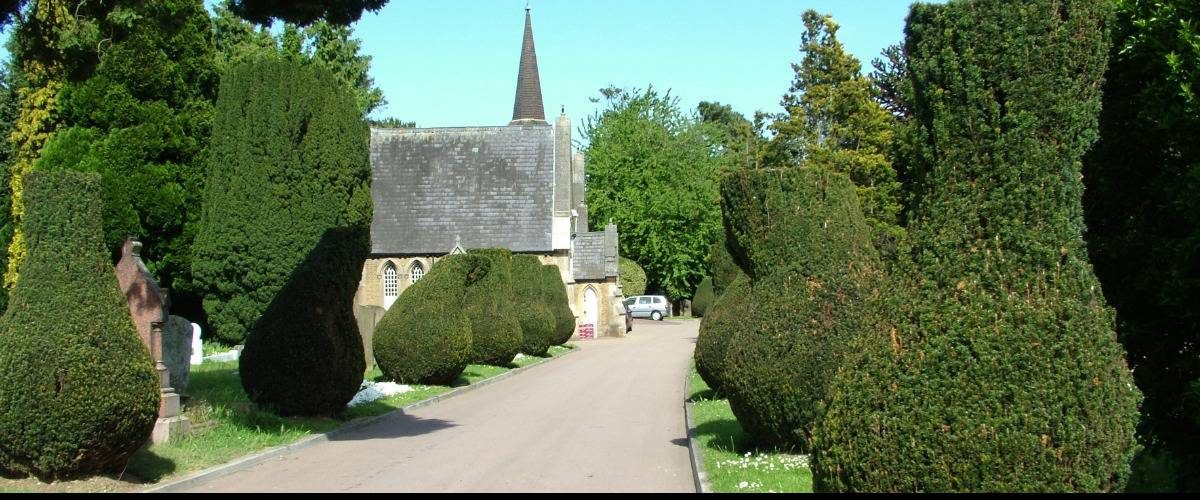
656, 316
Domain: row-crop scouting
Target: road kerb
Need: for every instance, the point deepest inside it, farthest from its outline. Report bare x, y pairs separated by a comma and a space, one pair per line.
698, 475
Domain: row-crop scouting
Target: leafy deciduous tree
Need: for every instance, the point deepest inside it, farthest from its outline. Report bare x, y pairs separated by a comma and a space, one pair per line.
651, 170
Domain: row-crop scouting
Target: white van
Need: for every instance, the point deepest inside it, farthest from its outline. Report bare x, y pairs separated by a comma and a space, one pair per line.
654, 307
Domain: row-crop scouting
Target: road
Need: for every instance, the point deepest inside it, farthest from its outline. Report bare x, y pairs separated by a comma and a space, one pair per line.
606, 419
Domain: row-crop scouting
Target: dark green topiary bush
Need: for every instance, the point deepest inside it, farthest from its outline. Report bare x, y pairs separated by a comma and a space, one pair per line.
730, 313
815, 266
764, 233
289, 160
305, 356
78, 389
425, 337
535, 315
537, 328
1002, 371
703, 298
556, 300
631, 277
495, 332
721, 266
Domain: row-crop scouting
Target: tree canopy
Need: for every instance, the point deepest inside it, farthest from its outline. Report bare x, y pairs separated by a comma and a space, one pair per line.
142, 120
304, 12
832, 122
324, 43
651, 170
1143, 215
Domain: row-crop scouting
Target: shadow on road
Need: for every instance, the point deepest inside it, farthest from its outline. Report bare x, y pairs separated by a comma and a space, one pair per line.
397, 424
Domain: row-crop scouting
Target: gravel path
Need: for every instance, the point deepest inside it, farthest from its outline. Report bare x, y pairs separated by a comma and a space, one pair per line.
605, 419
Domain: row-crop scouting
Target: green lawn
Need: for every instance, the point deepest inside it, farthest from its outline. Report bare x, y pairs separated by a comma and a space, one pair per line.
226, 425
731, 462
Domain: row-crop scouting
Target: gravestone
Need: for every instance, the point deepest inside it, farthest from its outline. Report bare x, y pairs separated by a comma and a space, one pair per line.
147, 307
143, 295
197, 346
367, 317
177, 351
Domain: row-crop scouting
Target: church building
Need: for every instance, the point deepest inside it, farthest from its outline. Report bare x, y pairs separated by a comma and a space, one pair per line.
519, 186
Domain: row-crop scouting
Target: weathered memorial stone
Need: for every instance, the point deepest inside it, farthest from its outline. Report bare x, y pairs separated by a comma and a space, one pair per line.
177, 351
147, 306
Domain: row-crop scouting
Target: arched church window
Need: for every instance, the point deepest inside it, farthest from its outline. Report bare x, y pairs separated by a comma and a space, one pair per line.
416, 272
391, 285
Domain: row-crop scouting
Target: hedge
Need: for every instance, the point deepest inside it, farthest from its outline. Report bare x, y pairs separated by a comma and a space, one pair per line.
555, 294
631, 277
703, 297
495, 332
289, 160
425, 337
535, 315
815, 266
727, 315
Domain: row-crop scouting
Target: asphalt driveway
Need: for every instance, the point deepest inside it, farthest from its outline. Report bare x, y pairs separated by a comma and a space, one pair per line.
605, 419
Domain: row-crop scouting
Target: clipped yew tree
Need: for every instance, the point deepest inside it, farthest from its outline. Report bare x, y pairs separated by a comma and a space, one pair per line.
1003, 372
703, 297
728, 314
305, 355
284, 233
555, 296
721, 266
286, 157
425, 337
78, 388
631, 277
535, 315
495, 332
814, 266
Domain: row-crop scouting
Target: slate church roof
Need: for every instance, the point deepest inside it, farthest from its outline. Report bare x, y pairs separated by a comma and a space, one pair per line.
594, 254
492, 186
489, 186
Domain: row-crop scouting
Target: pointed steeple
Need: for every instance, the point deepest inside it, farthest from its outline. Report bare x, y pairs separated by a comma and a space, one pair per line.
527, 109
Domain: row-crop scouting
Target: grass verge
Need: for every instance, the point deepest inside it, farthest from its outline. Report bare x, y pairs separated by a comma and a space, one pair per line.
227, 426
731, 460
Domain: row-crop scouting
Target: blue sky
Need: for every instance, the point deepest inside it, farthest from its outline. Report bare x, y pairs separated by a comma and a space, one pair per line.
448, 63
454, 62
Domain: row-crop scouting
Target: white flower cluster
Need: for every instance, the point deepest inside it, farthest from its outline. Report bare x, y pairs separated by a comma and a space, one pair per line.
765, 462
746, 484
370, 391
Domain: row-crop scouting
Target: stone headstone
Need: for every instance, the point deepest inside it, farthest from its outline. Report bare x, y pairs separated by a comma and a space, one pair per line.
197, 346
177, 351
367, 317
148, 309
143, 295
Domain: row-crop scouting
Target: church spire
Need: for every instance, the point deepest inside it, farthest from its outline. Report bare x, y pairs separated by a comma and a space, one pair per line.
527, 109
